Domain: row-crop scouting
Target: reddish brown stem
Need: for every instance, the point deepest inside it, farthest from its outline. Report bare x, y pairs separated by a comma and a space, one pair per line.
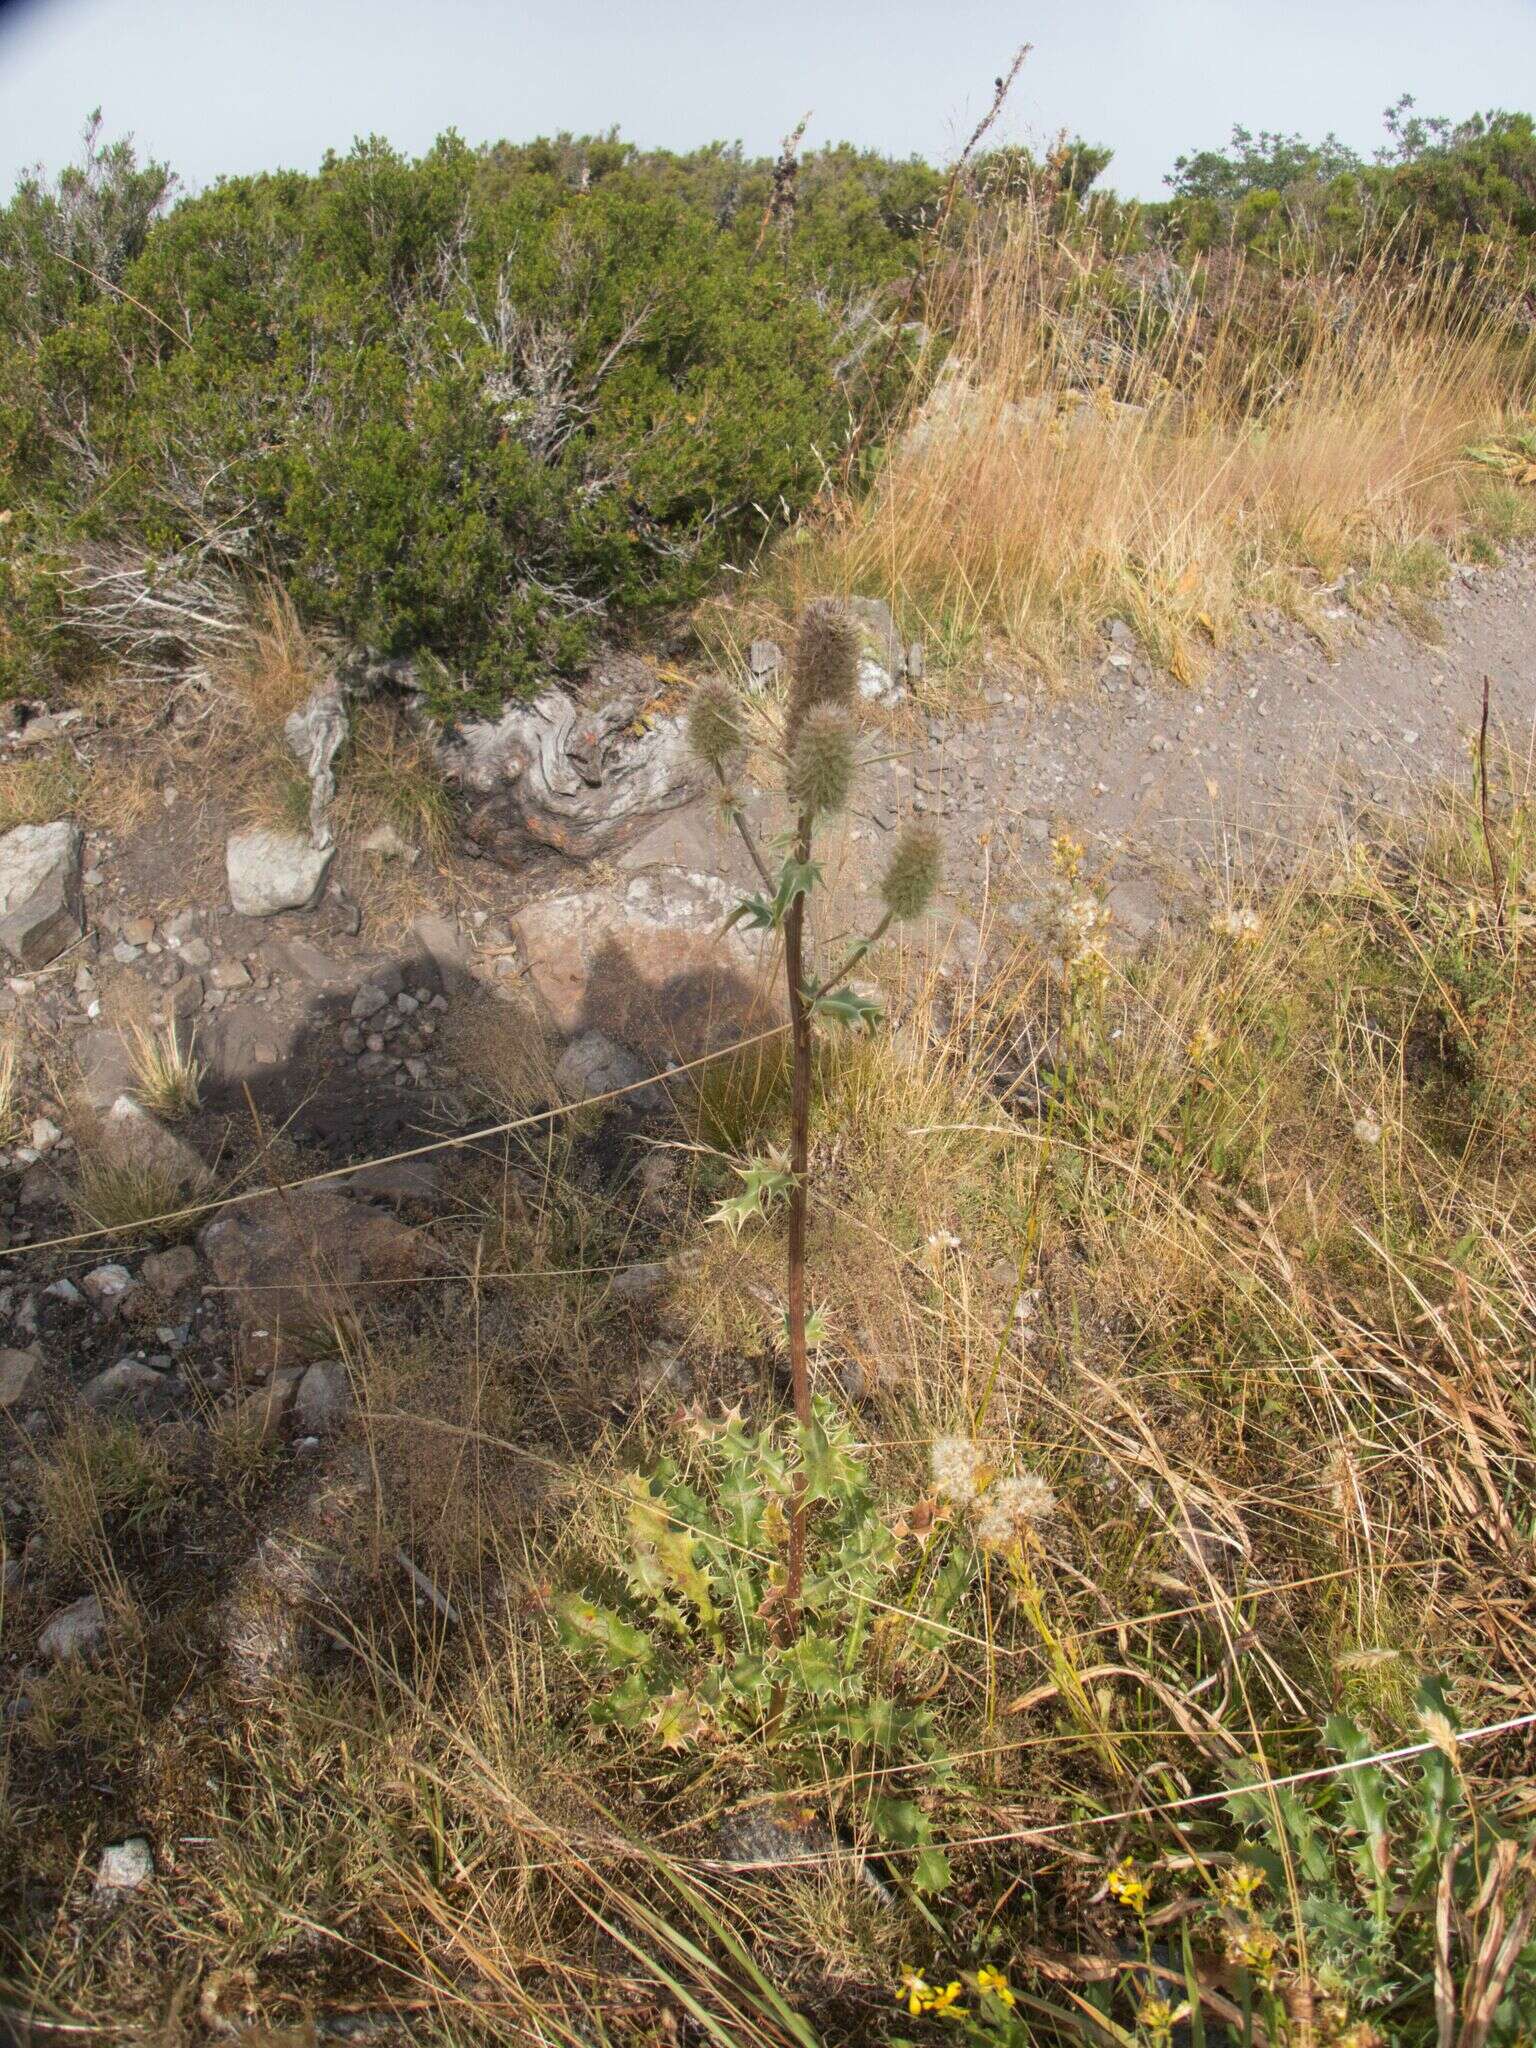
799, 1160
1482, 790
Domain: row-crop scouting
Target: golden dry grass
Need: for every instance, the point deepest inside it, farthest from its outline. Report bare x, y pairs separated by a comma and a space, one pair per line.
1089, 451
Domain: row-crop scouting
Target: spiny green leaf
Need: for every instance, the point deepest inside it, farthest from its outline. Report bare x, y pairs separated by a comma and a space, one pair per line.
847, 1007
586, 1626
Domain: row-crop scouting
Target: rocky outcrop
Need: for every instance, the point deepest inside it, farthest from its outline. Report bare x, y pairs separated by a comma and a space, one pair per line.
274, 871
582, 779
40, 899
648, 965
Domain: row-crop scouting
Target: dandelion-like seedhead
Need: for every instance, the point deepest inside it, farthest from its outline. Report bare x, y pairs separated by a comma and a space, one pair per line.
715, 730
825, 667
1009, 1507
825, 760
912, 873
1239, 924
955, 1463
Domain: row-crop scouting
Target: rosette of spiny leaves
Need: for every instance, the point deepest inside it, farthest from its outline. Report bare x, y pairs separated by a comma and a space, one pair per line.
819, 757
680, 1631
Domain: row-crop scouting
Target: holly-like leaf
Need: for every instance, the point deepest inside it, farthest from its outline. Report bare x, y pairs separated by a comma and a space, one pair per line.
847, 1007
677, 1721
586, 1626
828, 1468
764, 1182
760, 914
814, 1666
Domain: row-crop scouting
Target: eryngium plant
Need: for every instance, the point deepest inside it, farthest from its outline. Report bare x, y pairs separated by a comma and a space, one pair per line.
819, 760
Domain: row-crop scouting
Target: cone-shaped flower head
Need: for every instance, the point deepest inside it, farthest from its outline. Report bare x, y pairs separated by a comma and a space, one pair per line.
822, 767
714, 725
912, 875
826, 662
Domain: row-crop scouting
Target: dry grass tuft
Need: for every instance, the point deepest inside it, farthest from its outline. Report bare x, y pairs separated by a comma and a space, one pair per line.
1100, 446
168, 1075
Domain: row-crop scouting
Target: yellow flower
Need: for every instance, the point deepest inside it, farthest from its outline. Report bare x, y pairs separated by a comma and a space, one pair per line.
1203, 1043
913, 1992
1255, 1949
919, 1996
995, 1985
1157, 2016
1239, 1884
1067, 855
1128, 1888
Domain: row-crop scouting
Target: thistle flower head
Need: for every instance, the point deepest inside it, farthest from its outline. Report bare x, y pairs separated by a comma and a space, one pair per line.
825, 759
714, 725
825, 667
912, 874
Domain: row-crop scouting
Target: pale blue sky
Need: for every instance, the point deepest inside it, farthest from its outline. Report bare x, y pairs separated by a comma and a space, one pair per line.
214, 86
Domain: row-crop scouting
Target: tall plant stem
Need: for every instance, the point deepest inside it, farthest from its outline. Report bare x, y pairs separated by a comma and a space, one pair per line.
799, 1161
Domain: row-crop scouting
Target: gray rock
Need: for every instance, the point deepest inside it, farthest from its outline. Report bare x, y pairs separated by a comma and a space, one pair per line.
75, 1631
168, 1272
324, 1399
882, 643
40, 899
106, 1066
120, 1385
197, 953
593, 1065
130, 1136
124, 1867
273, 871
231, 974
20, 1374
637, 1284
443, 944
368, 1002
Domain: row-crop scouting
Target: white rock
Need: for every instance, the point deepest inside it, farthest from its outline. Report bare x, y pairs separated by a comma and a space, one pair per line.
107, 1283
40, 904
386, 842
273, 871
74, 1631
124, 1866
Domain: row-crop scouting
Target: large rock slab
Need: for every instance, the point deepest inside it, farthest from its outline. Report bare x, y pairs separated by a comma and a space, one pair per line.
649, 965
582, 778
289, 1264
274, 871
40, 899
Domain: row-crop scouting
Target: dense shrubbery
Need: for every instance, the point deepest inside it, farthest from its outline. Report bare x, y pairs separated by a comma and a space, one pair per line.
469, 404
459, 404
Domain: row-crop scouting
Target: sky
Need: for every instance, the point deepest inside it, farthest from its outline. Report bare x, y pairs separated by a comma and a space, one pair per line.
215, 86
